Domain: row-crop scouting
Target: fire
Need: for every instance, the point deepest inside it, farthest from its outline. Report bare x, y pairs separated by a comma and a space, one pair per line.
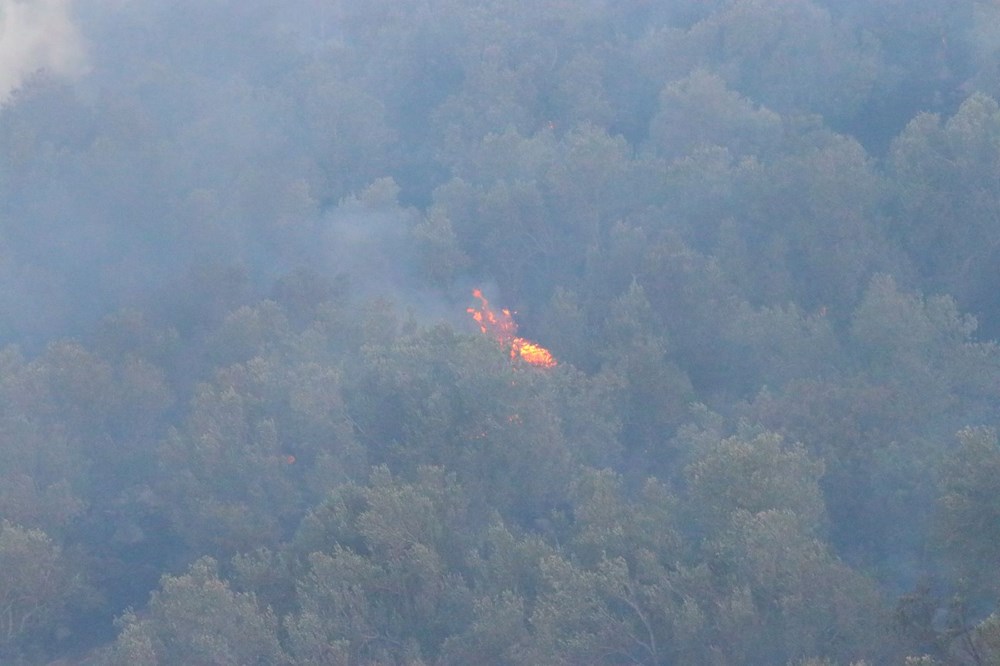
532, 353
503, 328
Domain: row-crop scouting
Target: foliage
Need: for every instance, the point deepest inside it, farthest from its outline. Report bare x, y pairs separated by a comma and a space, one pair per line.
195, 618
242, 408
968, 514
41, 588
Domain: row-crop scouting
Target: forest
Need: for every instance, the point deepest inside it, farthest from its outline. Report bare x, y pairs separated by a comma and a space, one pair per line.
265, 269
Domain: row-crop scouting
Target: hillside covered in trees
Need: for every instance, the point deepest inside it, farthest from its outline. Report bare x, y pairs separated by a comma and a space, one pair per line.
246, 416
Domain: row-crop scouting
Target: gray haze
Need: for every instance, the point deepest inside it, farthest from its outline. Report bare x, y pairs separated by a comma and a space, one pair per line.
38, 35
245, 416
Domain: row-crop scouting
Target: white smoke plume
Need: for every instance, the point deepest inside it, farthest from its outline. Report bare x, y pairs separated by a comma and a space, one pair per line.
37, 35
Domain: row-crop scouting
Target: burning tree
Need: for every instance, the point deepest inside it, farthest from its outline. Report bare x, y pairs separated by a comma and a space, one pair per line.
502, 327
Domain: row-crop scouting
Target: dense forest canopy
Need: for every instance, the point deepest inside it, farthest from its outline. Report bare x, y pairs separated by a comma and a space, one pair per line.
246, 416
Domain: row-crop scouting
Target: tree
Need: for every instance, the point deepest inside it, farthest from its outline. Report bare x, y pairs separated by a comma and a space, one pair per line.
699, 111
38, 590
195, 618
806, 226
777, 53
275, 432
458, 401
636, 353
754, 473
382, 582
783, 596
944, 172
968, 513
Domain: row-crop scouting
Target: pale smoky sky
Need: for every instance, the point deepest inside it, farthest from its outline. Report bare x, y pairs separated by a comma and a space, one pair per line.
37, 36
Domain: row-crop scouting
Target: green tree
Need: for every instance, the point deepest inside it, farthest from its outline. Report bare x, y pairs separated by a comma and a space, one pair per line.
383, 582
261, 442
780, 591
460, 402
195, 618
40, 588
636, 353
528, 207
806, 225
777, 53
968, 515
506, 579
699, 111
944, 173
789, 597
924, 345
753, 474
908, 375
608, 524
613, 613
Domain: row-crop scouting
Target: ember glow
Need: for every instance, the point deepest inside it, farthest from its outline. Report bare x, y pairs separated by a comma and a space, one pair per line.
502, 327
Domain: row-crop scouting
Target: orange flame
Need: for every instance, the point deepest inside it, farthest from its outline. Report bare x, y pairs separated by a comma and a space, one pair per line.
503, 328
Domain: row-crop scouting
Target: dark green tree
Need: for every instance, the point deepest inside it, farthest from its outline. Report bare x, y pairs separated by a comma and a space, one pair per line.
968, 512
195, 618
944, 173
41, 588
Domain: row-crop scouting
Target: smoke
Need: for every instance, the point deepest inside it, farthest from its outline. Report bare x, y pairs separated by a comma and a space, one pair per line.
37, 35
